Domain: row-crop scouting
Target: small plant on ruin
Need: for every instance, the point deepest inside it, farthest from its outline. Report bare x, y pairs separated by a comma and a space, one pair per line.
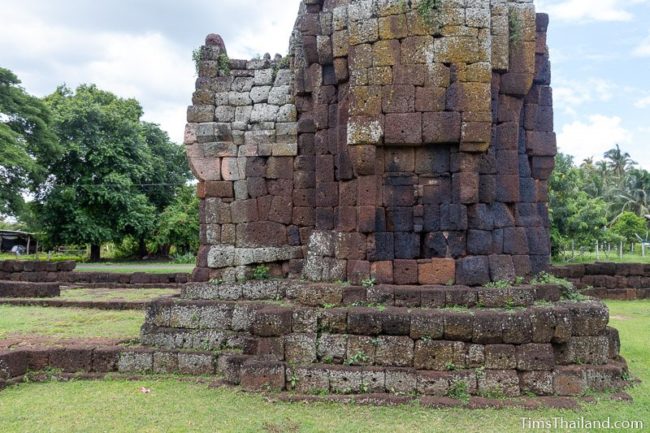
450, 283
293, 380
364, 388
223, 64
197, 58
426, 8
328, 359
496, 394
450, 366
480, 372
261, 273
516, 27
284, 63
510, 303
426, 339
546, 278
368, 282
459, 391
329, 306
358, 358
216, 282
499, 284
569, 291
519, 281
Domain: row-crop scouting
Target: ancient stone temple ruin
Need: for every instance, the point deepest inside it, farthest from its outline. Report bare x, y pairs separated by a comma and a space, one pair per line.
407, 141
395, 161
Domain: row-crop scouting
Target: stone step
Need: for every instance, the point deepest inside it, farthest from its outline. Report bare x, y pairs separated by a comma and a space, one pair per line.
537, 323
259, 374
440, 352
322, 294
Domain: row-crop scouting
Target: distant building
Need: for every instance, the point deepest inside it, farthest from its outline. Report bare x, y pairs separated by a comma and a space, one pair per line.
15, 241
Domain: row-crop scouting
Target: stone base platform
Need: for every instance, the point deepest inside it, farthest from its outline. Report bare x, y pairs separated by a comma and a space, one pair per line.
425, 340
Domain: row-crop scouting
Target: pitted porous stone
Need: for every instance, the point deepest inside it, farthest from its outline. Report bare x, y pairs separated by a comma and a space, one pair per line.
135, 362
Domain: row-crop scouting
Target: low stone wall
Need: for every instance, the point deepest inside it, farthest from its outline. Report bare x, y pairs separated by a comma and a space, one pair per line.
15, 364
63, 273
626, 281
35, 271
362, 385
21, 289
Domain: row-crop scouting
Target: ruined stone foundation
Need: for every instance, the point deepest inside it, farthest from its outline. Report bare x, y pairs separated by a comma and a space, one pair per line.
401, 150
316, 338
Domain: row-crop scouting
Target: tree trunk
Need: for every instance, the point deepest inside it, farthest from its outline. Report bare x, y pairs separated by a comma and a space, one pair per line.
142, 248
95, 253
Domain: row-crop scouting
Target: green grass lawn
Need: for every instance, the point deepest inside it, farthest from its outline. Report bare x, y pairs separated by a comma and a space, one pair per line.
104, 295
174, 406
66, 323
610, 257
130, 267
115, 294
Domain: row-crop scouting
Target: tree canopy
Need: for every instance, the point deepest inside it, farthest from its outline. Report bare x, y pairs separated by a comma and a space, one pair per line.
26, 141
604, 201
114, 172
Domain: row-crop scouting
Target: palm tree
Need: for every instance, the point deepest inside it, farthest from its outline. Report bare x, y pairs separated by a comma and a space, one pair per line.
618, 161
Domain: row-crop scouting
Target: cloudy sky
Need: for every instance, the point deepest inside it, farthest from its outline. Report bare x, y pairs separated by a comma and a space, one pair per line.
600, 51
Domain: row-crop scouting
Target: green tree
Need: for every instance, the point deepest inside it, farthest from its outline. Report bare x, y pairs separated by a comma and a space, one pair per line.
629, 225
178, 225
100, 187
26, 143
575, 214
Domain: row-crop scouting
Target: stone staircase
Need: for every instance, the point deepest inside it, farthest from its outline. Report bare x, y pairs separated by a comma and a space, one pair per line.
424, 340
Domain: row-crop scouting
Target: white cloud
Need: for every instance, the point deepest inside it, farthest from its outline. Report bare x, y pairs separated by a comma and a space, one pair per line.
589, 10
593, 137
568, 95
643, 49
642, 102
148, 58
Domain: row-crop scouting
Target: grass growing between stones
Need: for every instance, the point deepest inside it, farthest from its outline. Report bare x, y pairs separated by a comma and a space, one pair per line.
115, 294
105, 295
67, 323
174, 406
130, 267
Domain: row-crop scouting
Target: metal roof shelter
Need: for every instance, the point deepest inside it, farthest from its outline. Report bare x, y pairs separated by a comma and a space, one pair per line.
11, 238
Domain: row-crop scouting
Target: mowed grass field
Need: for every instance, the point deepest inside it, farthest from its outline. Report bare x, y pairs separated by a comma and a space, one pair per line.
130, 267
173, 405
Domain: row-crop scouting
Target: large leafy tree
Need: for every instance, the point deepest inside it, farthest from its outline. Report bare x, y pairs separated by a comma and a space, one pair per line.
100, 188
26, 143
178, 224
631, 227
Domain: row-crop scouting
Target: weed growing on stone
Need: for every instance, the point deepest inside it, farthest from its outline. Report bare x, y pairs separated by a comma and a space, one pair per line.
458, 390
516, 27
368, 282
569, 292
450, 366
261, 273
223, 64
197, 57
499, 284
426, 8
293, 380
358, 358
